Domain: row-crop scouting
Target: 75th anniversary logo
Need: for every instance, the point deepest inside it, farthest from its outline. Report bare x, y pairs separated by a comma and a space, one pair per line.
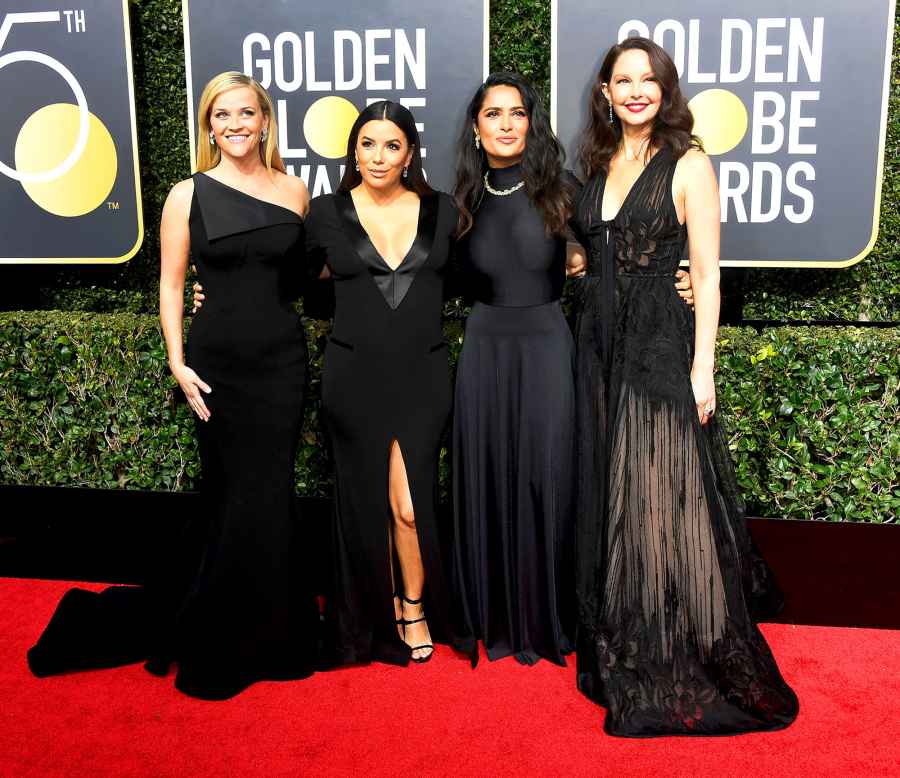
68, 152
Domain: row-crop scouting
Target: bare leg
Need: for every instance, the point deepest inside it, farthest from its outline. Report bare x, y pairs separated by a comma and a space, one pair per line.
406, 541
398, 605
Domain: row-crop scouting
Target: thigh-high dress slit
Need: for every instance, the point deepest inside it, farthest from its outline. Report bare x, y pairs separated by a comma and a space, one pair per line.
385, 378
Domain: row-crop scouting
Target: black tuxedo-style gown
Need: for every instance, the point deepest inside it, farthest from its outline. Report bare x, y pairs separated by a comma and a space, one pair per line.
513, 434
232, 604
385, 378
669, 583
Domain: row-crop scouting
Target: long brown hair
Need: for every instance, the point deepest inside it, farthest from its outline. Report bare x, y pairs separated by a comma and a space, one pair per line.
542, 162
389, 111
672, 125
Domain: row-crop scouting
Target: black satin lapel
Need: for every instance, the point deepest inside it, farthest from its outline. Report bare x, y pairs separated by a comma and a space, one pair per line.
421, 248
227, 211
393, 284
358, 237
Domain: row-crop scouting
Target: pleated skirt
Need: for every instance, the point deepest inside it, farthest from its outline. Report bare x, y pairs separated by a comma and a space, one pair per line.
513, 464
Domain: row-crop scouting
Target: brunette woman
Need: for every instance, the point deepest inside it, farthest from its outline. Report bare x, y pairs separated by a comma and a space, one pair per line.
386, 237
514, 415
668, 582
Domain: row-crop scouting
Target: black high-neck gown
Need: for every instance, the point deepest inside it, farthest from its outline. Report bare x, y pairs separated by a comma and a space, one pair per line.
513, 435
233, 603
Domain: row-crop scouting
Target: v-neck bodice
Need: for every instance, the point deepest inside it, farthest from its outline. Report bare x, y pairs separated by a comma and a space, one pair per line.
393, 283
376, 307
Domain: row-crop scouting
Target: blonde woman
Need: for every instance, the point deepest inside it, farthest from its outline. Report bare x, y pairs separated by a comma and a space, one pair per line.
239, 610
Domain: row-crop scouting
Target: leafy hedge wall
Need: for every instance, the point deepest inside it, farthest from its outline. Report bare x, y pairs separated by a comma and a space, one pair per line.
813, 414
520, 40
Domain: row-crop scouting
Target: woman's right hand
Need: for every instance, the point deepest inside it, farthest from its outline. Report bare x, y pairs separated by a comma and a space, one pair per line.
199, 297
193, 387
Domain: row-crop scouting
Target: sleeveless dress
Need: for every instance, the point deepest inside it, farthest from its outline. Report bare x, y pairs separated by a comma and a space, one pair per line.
668, 580
513, 435
385, 377
234, 604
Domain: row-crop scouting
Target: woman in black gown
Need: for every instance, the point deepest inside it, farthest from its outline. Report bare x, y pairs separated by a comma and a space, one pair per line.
239, 607
386, 238
514, 412
668, 581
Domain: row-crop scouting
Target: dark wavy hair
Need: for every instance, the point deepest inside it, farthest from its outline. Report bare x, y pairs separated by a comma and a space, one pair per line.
401, 116
542, 162
672, 125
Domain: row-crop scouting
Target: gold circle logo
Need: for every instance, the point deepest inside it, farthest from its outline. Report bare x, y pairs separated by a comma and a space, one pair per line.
45, 139
327, 125
720, 119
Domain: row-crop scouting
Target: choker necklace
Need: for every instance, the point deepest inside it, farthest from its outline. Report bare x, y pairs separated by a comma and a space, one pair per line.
501, 192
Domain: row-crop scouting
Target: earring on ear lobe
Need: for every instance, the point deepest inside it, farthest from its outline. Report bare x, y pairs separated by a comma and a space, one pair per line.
477, 141
212, 138
356, 165
264, 134
406, 171
610, 113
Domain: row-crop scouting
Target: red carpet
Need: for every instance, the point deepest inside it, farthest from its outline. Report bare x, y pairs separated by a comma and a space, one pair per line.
442, 718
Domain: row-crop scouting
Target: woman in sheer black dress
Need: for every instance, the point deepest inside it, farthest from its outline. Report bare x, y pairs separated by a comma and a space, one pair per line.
233, 603
668, 581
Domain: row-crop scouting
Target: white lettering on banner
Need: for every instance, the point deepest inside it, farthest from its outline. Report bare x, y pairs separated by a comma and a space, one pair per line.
768, 51
291, 60
768, 55
380, 60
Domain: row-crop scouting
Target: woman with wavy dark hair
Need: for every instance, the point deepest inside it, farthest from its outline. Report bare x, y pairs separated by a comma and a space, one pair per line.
514, 414
668, 581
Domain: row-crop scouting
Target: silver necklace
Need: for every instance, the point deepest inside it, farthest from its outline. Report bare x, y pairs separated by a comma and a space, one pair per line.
501, 192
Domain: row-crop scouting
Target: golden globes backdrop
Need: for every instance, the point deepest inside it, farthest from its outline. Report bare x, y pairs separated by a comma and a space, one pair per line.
324, 60
790, 100
69, 182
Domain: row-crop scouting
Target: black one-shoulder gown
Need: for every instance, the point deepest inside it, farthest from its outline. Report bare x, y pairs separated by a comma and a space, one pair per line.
233, 604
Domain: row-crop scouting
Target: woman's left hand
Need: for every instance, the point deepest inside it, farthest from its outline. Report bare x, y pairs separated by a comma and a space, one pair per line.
704, 393
684, 288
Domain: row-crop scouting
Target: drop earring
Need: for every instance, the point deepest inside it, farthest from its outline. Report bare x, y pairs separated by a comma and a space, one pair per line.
406, 171
263, 136
477, 141
356, 165
212, 138
610, 113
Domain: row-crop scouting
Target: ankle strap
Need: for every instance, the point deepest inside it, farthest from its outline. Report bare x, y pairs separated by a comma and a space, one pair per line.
409, 601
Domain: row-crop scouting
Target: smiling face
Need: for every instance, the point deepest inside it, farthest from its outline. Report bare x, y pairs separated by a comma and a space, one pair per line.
633, 89
382, 153
503, 125
237, 121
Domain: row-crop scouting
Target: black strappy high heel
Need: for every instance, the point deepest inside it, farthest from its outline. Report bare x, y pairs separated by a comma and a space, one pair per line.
422, 659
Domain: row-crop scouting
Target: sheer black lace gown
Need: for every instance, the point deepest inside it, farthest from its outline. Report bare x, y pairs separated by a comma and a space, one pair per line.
668, 582
233, 602
513, 435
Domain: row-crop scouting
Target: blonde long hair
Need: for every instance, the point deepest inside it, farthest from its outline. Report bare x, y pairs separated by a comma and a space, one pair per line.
208, 155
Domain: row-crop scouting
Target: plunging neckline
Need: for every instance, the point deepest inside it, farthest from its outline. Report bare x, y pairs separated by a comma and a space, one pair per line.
372, 242
258, 199
627, 194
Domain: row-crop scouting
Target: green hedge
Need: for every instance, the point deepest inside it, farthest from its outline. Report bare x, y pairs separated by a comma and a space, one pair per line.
520, 40
87, 400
